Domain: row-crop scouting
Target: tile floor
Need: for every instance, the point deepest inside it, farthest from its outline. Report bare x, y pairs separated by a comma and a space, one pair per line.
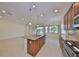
15, 47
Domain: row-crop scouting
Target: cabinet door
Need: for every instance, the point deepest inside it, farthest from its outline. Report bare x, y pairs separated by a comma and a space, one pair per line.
31, 47
65, 21
41, 42
36, 49
76, 8
70, 18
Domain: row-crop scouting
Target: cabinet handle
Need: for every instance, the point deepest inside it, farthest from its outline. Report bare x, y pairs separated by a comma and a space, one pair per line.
30, 42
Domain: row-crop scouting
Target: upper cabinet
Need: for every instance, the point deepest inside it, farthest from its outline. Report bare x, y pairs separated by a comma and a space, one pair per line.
65, 22
76, 8
68, 18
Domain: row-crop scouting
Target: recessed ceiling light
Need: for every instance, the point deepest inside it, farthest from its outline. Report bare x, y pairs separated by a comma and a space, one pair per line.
0, 16
3, 11
41, 15
30, 23
56, 10
34, 6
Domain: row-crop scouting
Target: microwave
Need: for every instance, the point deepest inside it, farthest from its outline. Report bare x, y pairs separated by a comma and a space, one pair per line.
76, 21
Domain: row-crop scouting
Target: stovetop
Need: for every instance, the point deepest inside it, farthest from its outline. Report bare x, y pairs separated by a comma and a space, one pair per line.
74, 45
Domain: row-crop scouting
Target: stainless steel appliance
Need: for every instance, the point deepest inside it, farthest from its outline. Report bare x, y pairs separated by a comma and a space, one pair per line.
71, 48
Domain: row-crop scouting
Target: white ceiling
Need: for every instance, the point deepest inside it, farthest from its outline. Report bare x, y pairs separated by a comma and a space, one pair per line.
21, 14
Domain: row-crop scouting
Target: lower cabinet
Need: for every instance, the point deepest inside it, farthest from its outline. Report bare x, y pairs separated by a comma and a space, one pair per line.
33, 46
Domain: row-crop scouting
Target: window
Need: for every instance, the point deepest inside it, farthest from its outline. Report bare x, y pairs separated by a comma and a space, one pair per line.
40, 30
46, 29
53, 29
49, 28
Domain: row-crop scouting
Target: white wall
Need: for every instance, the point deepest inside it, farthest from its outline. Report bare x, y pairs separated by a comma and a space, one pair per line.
30, 30
10, 29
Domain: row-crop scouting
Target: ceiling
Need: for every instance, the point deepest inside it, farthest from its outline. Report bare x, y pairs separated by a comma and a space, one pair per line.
19, 12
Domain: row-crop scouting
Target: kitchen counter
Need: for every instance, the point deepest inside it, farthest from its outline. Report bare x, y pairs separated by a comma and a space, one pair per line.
69, 37
34, 44
63, 36
34, 37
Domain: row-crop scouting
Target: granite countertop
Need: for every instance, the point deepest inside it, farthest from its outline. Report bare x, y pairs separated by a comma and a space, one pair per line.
63, 36
34, 37
69, 37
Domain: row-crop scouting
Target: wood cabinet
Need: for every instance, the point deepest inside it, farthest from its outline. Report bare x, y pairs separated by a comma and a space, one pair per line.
76, 8
33, 46
68, 18
65, 22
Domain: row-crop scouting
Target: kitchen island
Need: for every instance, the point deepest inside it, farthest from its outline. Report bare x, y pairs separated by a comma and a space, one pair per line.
34, 44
